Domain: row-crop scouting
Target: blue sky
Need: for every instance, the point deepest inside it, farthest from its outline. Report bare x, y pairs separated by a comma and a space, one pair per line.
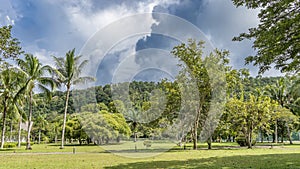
52, 27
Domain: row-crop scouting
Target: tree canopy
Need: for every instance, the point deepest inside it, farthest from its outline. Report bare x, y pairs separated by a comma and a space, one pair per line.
277, 36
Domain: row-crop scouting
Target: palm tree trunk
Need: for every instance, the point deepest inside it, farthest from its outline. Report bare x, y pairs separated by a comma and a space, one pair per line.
276, 132
65, 118
3, 126
11, 130
19, 132
28, 146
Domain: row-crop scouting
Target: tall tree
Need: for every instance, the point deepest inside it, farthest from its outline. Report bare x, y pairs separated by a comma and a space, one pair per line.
68, 72
276, 38
10, 80
9, 49
42, 123
247, 116
280, 92
9, 46
34, 72
196, 81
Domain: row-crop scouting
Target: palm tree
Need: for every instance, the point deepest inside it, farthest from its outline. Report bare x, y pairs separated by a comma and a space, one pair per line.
34, 72
41, 118
281, 92
10, 81
68, 72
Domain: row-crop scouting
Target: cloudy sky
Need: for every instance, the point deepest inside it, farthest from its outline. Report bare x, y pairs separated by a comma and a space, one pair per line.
52, 27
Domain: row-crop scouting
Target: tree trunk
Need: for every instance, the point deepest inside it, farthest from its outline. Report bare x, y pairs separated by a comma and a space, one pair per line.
55, 138
19, 132
276, 132
249, 140
195, 127
228, 138
39, 136
209, 142
65, 118
282, 133
289, 133
28, 146
195, 139
11, 130
3, 125
134, 133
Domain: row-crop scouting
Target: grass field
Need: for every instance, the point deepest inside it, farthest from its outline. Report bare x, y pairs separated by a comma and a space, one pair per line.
224, 155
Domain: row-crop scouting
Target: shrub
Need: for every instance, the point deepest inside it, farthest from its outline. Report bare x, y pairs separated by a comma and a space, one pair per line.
24, 143
241, 140
10, 145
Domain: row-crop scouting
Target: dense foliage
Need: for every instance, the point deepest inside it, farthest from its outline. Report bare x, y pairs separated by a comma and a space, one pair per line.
276, 38
248, 108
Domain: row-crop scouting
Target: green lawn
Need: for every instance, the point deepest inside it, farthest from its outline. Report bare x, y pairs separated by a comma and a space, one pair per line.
223, 155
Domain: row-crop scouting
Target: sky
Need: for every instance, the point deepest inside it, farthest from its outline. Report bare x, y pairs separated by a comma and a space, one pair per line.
52, 27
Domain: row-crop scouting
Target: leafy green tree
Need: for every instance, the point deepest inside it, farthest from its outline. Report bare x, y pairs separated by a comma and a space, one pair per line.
195, 71
9, 46
97, 127
68, 72
276, 38
248, 116
35, 74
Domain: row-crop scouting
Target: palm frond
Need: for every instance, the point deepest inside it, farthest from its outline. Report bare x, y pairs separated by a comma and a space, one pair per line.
45, 90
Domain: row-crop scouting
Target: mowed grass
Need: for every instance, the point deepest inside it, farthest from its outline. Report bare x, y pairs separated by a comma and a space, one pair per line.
224, 155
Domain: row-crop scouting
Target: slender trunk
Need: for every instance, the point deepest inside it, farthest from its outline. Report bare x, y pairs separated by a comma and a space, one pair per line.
135, 137
28, 146
195, 127
228, 138
289, 133
276, 132
134, 133
3, 125
11, 130
39, 136
55, 138
19, 132
65, 118
195, 139
261, 136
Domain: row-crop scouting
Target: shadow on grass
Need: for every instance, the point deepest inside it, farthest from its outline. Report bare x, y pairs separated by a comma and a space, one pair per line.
77, 144
9, 149
72, 145
274, 161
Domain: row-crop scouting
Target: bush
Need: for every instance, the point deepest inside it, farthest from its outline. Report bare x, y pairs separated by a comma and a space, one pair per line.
24, 143
241, 140
10, 145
